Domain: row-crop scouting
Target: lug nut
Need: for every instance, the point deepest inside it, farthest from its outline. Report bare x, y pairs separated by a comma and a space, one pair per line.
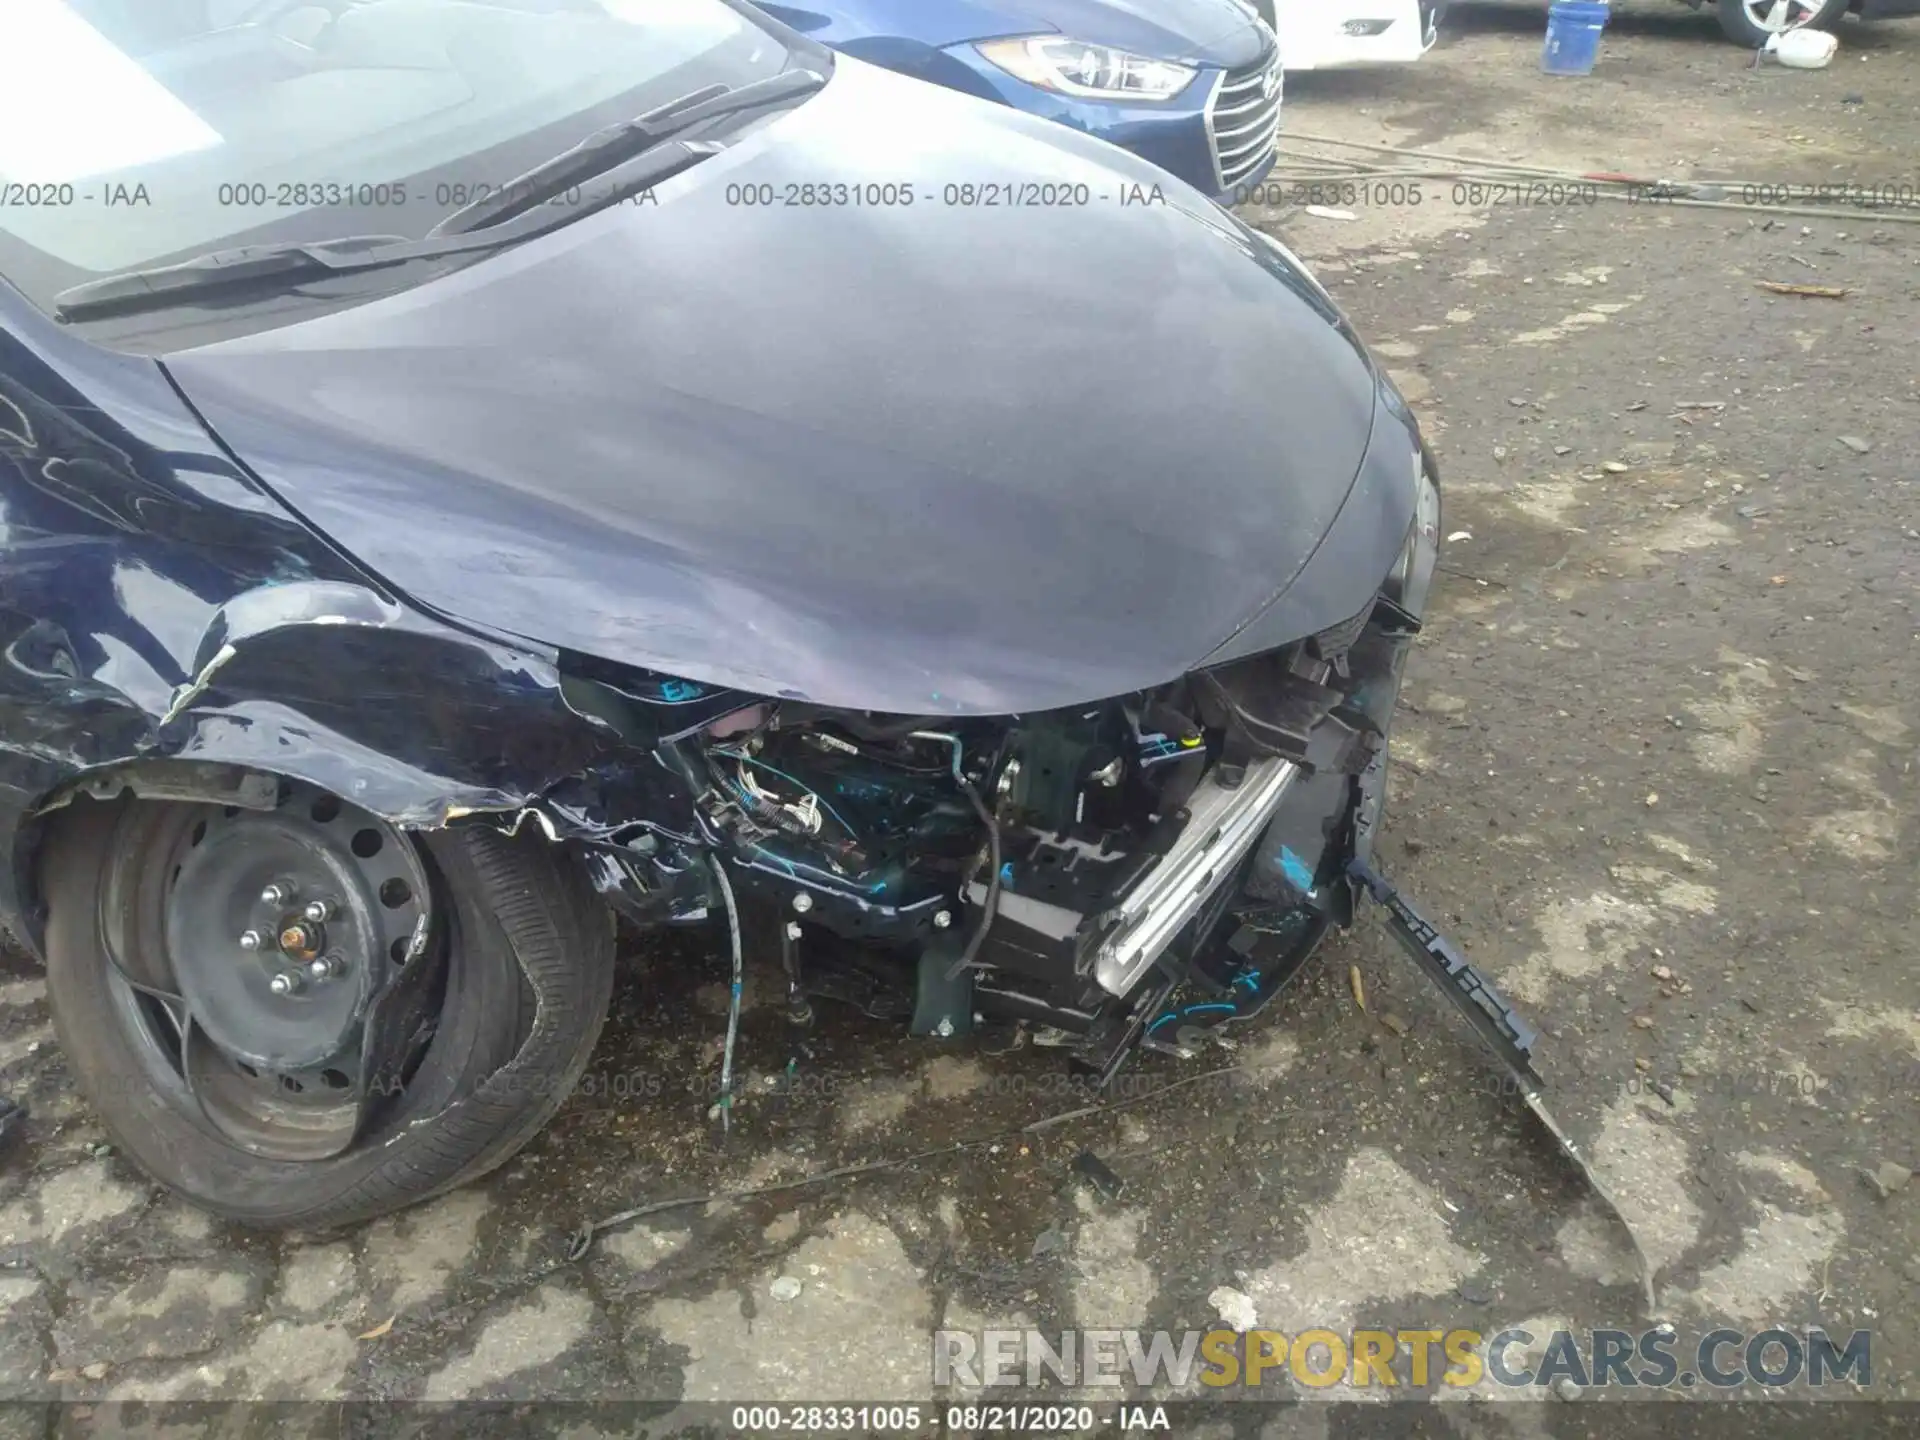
794, 931
803, 902
326, 967
250, 939
278, 893
317, 910
284, 984
942, 919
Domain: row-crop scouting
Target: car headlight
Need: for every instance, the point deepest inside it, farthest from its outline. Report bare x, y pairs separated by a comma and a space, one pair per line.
1411, 578
1092, 72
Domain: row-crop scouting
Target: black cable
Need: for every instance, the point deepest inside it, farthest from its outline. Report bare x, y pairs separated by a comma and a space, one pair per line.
992, 905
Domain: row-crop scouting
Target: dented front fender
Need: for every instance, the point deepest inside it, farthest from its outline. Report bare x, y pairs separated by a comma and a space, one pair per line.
158, 606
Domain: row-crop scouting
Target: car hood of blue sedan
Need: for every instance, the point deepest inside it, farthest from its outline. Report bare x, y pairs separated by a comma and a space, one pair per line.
917, 458
1199, 32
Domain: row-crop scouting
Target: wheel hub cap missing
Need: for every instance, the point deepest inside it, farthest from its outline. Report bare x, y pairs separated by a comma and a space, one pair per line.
297, 1002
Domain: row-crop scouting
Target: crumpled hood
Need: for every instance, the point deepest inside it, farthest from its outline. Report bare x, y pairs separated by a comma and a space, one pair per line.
912, 458
1208, 32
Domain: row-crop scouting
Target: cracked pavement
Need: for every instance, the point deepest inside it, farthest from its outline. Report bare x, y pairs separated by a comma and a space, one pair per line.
1655, 770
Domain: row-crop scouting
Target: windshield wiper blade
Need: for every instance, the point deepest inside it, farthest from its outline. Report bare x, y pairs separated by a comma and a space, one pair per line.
289, 263
622, 141
219, 269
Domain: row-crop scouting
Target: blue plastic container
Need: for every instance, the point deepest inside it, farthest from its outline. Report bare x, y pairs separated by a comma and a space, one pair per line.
1573, 36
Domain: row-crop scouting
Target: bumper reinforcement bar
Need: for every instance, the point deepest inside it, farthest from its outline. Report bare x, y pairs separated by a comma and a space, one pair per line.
1499, 1027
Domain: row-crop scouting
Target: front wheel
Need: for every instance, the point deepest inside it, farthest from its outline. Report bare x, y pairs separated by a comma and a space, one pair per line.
1750, 22
302, 1017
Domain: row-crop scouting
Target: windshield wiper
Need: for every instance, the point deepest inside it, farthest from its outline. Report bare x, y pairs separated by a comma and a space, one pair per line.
289, 263
632, 155
621, 141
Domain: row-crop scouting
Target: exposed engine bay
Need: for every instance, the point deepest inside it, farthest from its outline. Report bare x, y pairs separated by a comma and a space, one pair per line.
1072, 869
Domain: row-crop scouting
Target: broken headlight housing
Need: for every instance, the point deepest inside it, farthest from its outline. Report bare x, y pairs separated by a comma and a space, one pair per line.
1091, 72
1411, 578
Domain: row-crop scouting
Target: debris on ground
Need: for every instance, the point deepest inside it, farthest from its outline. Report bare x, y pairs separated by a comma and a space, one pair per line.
385, 1327
785, 1288
1048, 1242
1097, 1173
1234, 1307
1820, 292
1887, 1177
1474, 1292
1801, 49
1856, 444
1327, 212
1394, 1023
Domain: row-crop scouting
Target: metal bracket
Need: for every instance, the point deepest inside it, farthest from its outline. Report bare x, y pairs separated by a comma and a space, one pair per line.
1499, 1026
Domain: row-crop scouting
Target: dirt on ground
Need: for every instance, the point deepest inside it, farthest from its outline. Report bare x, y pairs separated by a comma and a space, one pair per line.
1656, 770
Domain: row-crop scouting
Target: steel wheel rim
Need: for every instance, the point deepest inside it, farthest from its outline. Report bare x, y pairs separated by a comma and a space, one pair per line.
282, 1072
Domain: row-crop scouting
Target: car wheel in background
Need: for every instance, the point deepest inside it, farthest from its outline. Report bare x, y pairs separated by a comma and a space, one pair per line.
1750, 22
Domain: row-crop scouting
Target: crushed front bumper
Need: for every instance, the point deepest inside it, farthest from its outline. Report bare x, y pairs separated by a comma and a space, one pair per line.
1280, 832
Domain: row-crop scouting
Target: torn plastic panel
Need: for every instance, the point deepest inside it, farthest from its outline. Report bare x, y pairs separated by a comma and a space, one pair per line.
1507, 1037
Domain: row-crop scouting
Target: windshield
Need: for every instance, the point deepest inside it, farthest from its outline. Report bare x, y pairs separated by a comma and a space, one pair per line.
135, 132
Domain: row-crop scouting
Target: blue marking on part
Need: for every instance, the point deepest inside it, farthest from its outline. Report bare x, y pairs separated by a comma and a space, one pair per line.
1295, 869
1191, 1010
677, 690
1006, 873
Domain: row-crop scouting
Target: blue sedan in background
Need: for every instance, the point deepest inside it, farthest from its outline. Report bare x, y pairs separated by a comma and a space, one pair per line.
1192, 85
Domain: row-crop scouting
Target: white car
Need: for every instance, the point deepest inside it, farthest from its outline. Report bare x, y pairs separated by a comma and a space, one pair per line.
1326, 34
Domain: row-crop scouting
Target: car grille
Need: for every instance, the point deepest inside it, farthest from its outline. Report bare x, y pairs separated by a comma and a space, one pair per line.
1243, 120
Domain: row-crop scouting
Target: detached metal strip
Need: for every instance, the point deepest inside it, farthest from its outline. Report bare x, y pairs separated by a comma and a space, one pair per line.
1498, 1025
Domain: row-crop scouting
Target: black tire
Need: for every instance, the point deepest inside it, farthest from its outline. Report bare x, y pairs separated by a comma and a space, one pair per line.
528, 973
1740, 27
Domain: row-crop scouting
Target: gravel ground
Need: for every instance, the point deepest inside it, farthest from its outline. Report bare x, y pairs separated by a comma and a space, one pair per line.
1656, 768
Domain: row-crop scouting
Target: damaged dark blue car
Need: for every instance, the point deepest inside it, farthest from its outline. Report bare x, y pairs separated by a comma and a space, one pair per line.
435, 528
